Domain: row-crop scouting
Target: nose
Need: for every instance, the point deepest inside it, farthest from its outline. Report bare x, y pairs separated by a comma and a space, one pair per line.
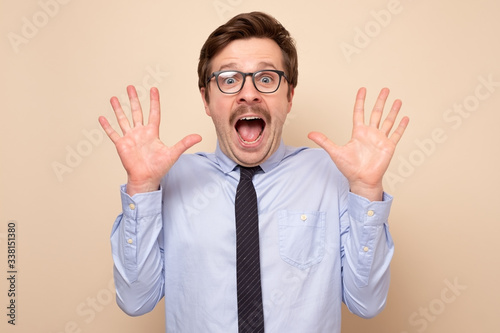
249, 94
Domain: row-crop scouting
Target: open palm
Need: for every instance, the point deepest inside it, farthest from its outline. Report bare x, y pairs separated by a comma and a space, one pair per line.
144, 156
366, 157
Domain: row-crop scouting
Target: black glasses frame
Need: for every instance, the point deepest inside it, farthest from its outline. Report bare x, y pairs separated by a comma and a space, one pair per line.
216, 75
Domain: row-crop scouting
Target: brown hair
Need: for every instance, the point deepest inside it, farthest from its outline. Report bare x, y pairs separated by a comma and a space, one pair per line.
254, 24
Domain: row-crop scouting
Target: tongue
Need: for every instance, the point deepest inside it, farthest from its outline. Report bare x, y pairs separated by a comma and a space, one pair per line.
249, 130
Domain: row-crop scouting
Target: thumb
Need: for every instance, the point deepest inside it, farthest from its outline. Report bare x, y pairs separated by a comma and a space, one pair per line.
322, 140
187, 142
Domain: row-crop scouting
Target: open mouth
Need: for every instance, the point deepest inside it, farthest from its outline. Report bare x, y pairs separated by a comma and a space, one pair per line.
250, 129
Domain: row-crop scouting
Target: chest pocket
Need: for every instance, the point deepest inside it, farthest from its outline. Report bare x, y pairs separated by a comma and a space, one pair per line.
302, 237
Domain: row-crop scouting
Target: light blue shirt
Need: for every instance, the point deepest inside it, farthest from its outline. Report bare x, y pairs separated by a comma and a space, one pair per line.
320, 245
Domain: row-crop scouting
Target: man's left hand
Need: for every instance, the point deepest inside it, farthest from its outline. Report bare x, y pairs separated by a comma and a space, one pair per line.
366, 157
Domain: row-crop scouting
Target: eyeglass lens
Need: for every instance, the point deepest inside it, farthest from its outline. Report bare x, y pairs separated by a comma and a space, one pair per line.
232, 82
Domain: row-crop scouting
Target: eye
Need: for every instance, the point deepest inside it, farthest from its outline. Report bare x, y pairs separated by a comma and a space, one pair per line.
229, 78
266, 79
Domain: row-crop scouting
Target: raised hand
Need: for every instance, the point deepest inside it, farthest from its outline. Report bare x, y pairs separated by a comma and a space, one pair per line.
366, 157
144, 156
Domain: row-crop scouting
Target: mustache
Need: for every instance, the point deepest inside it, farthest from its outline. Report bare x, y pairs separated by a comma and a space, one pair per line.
254, 110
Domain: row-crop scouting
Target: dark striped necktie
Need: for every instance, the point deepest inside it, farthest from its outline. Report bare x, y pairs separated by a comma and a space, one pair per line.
250, 309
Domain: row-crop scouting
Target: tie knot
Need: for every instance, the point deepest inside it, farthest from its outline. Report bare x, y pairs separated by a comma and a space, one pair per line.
247, 173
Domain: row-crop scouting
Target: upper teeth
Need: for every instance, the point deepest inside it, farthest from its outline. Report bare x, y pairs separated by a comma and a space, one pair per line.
250, 118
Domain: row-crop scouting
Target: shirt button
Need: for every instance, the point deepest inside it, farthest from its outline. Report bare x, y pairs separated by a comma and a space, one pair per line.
370, 213
132, 206
303, 217
130, 241
366, 249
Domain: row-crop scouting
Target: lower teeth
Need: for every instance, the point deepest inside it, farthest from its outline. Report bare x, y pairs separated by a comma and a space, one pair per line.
249, 141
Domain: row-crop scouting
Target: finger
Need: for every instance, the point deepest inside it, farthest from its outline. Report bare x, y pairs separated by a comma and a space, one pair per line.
378, 109
322, 140
187, 142
359, 108
120, 115
154, 112
108, 129
391, 117
398, 133
135, 106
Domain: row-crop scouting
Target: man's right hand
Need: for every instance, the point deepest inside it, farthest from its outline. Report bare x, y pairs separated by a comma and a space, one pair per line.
145, 158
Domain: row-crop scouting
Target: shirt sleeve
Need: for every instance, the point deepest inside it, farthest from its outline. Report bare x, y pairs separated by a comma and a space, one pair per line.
137, 250
366, 252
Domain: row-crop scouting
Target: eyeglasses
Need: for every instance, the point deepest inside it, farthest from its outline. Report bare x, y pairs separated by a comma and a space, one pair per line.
231, 82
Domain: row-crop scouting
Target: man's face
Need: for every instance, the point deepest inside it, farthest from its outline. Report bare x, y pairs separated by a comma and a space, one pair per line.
249, 123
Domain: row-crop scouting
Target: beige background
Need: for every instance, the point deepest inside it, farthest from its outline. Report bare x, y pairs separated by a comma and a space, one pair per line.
62, 61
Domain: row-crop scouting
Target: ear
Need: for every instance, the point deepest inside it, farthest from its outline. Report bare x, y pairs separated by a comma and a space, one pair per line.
205, 103
290, 98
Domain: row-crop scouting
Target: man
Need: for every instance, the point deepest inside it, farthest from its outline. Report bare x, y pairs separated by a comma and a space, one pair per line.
322, 213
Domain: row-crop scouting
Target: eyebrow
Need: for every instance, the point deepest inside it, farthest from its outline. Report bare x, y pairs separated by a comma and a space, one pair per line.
261, 65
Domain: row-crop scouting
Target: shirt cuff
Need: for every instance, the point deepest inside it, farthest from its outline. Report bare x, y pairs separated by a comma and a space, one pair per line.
369, 212
140, 204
